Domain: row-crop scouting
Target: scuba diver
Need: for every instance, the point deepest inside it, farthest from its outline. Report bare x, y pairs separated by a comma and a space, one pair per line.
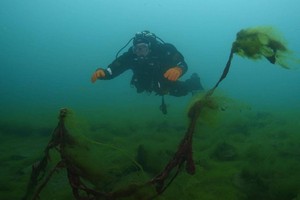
156, 67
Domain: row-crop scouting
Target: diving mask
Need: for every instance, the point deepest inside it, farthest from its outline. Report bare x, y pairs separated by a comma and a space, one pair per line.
141, 49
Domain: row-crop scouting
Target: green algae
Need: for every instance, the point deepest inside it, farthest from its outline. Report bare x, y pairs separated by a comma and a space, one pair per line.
266, 166
264, 42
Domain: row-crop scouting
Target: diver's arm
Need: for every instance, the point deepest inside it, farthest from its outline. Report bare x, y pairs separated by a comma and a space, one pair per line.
175, 58
117, 67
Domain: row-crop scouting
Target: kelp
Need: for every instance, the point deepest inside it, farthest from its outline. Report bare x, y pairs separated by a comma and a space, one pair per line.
264, 42
103, 182
87, 171
91, 178
257, 43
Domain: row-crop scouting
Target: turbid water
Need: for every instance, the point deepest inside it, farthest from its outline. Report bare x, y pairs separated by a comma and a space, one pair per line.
247, 148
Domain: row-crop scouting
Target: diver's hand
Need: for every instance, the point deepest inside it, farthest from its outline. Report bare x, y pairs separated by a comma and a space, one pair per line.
98, 74
173, 73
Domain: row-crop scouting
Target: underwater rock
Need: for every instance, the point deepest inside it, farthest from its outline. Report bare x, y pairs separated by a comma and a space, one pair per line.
224, 152
151, 160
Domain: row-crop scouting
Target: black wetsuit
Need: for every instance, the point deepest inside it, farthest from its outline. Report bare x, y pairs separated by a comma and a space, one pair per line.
148, 72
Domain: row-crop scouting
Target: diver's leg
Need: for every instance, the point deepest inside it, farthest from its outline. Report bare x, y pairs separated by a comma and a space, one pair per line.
178, 89
182, 88
194, 83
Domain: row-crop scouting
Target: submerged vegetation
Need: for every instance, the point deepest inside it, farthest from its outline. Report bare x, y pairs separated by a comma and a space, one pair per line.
246, 155
258, 42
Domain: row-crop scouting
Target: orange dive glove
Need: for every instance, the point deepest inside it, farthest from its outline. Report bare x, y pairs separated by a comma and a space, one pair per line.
173, 73
97, 74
